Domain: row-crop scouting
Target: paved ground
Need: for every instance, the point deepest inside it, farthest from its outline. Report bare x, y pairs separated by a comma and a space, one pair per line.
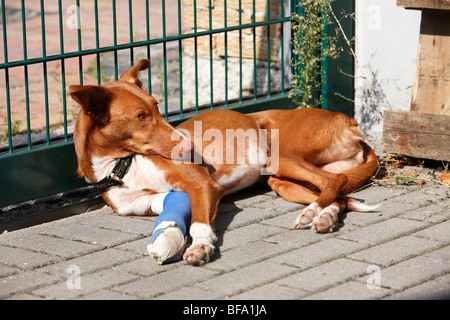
399, 252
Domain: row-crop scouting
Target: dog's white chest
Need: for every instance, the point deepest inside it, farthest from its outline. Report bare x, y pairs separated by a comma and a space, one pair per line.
141, 184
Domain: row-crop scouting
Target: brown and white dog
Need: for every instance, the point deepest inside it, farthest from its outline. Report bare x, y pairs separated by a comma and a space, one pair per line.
310, 156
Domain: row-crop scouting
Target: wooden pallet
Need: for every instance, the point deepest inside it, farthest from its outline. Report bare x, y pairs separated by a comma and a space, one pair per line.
425, 131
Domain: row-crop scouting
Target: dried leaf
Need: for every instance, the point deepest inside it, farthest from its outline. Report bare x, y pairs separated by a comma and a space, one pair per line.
421, 182
410, 174
445, 178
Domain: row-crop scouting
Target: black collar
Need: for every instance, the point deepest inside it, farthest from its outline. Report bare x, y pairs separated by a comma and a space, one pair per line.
115, 177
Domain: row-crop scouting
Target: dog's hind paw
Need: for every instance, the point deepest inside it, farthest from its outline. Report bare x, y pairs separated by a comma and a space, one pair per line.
305, 219
326, 220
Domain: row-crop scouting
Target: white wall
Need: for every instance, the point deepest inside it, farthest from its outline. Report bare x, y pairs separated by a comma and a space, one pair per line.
387, 39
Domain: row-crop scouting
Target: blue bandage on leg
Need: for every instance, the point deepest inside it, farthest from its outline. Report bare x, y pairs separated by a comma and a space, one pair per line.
168, 239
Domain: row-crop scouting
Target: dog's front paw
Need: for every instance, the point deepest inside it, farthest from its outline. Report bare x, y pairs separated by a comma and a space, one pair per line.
202, 247
305, 219
198, 255
326, 220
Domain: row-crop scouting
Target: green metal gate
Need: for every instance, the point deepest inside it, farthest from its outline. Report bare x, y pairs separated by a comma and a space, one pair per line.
233, 36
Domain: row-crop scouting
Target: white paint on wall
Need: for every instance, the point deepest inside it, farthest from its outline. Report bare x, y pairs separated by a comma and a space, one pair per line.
387, 38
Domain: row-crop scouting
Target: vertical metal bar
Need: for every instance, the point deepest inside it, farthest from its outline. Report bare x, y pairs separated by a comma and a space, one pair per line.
180, 59
226, 52
282, 48
324, 74
240, 53
8, 93
268, 50
116, 62
211, 61
97, 43
130, 19
44, 54
149, 70
166, 103
195, 57
27, 94
63, 66
254, 54
80, 59
296, 8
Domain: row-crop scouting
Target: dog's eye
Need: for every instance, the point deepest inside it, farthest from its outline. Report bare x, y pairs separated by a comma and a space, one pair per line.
142, 116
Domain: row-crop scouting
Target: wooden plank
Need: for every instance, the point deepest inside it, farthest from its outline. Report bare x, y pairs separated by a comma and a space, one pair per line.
417, 135
425, 4
431, 93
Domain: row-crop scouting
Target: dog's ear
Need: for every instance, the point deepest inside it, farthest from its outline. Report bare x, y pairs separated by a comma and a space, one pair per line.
93, 99
131, 75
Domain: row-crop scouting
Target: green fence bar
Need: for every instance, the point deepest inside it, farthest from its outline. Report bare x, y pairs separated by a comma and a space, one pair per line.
80, 58
255, 94
211, 64
240, 53
268, 50
130, 24
180, 59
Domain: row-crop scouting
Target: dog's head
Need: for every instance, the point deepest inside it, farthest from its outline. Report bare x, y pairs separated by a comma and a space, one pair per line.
122, 119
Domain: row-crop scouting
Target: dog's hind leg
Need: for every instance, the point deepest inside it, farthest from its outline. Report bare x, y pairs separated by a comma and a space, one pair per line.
328, 183
294, 192
298, 192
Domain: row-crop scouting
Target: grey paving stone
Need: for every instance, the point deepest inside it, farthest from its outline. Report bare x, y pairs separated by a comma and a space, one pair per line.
364, 218
325, 275
244, 255
436, 212
129, 224
271, 291
25, 259
411, 272
92, 262
441, 253
396, 250
294, 239
318, 253
383, 231
51, 245
239, 280
91, 234
145, 266
377, 194
436, 289
24, 296
285, 220
252, 197
87, 284
138, 246
106, 294
246, 234
351, 291
7, 270
24, 281
279, 204
164, 282
193, 292
440, 232
250, 215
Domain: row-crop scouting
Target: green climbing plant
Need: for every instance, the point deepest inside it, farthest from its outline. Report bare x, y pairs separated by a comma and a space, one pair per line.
312, 44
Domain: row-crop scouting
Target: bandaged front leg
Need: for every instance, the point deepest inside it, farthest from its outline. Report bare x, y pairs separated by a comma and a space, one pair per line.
168, 240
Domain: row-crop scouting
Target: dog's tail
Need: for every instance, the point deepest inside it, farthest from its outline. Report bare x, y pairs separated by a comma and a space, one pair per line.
356, 205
